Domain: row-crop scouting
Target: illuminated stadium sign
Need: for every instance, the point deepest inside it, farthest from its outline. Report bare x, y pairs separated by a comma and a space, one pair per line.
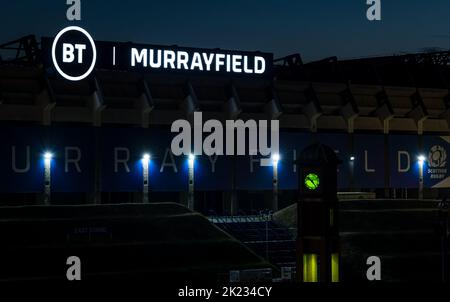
203, 61
74, 54
64, 52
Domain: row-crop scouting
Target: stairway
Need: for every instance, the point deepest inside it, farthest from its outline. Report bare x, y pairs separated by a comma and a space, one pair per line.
269, 240
402, 233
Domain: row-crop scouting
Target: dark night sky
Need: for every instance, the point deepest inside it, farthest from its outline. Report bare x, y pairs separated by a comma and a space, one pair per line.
314, 28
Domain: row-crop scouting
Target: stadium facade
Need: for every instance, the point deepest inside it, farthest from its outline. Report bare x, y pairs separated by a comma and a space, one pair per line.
379, 114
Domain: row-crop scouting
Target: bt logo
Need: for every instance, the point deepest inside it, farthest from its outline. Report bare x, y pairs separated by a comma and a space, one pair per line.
68, 52
74, 53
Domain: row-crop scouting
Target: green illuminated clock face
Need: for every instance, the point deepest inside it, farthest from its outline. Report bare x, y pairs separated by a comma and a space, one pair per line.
312, 181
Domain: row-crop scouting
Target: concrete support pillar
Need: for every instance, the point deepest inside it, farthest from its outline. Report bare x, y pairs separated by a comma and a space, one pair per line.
232, 107
231, 203
145, 104
97, 194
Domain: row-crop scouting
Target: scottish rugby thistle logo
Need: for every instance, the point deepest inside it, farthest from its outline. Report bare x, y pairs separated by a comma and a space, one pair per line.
437, 157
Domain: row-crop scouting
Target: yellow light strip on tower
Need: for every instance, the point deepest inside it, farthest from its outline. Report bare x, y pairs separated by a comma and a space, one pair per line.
335, 267
310, 268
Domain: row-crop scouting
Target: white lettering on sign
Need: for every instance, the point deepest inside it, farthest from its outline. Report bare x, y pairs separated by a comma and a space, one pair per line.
121, 160
139, 57
165, 163
366, 163
26, 166
68, 52
403, 168
202, 61
75, 160
65, 52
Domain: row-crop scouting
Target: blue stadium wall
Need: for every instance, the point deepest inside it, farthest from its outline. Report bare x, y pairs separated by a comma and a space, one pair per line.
379, 161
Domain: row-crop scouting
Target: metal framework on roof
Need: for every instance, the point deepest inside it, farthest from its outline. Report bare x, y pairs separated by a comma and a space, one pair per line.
406, 93
25, 50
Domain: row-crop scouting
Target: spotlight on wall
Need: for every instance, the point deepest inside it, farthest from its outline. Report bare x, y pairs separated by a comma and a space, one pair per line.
191, 157
352, 158
145, 158
275, 158
48, 156
421, 158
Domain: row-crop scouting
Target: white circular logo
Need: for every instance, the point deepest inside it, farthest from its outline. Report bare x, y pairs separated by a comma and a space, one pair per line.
74, 54
437, 157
